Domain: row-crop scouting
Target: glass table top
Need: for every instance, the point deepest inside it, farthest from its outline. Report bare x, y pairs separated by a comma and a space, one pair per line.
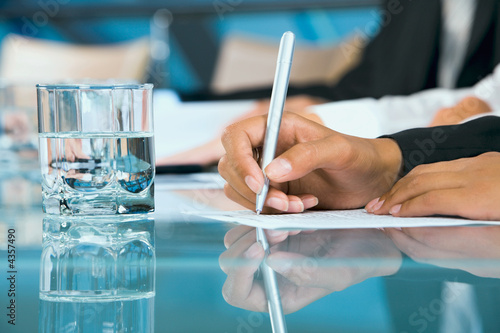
171, 272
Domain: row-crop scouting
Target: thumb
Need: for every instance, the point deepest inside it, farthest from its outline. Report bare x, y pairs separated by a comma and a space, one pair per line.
303, 158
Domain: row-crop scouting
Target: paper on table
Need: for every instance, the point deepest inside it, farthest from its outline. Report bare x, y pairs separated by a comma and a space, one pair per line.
341, 219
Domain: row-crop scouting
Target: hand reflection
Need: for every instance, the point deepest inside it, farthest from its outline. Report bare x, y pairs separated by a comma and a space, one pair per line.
448, 247
73, 150
310, 264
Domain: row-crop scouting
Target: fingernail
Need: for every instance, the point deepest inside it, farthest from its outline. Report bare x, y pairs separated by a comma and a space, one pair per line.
369, 206
253, 184
278, 204
278, 168
395, 209
296, 206
253, 251
378, 205
310, 202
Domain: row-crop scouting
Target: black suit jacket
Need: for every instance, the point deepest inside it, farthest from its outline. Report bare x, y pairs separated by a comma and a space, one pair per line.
403, 58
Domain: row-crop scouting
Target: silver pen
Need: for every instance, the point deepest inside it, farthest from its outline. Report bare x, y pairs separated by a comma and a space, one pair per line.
278, 97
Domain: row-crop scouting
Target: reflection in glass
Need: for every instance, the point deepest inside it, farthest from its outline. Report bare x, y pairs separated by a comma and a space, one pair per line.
97, 274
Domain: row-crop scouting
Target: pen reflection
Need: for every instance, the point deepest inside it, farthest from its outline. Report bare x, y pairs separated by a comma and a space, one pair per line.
97, 274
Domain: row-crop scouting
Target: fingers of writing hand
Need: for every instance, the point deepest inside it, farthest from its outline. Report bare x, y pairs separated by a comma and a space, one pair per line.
238, 167
243, 173
276, 201
305, 157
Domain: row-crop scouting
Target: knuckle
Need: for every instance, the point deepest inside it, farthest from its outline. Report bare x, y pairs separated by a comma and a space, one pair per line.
228, 190
415, 182
228, 133
308, 150
418, 170
222, 165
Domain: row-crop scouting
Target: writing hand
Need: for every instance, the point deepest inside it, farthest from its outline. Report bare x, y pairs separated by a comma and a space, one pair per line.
315, 166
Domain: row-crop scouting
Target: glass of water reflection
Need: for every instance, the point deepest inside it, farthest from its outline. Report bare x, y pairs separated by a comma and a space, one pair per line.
97, 274
96, 148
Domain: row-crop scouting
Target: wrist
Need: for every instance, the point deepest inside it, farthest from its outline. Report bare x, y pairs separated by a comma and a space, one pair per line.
392, 159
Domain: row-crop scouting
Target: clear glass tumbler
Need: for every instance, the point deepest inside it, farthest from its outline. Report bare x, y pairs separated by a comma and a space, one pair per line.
96, 148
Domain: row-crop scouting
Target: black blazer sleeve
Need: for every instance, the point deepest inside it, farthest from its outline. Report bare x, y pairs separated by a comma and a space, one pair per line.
446, 143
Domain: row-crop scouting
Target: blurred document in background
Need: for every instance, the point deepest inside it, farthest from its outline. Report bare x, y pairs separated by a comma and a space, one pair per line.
181, 126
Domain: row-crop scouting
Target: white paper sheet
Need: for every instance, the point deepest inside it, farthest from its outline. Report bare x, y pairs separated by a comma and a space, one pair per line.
342, 219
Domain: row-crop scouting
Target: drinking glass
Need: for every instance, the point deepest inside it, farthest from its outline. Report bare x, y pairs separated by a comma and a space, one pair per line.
96, 148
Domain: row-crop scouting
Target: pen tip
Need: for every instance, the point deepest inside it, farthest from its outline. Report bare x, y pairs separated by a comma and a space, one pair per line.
258, 211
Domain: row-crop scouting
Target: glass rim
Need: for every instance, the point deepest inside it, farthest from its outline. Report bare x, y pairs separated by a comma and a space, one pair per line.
94, 86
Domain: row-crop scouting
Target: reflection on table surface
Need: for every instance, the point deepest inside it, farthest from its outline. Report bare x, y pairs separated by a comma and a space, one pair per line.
173, 272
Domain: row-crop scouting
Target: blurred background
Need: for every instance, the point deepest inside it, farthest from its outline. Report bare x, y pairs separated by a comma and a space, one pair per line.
199, 48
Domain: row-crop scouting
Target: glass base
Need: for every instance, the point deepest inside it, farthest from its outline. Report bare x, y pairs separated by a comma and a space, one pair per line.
101, 203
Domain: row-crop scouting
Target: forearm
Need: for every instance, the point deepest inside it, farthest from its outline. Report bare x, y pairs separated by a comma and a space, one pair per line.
446, 143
